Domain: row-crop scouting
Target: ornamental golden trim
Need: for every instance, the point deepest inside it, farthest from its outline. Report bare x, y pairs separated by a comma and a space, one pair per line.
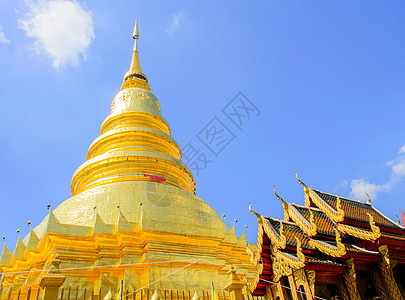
278, 240
311, 228
255, 256
336, 215
360, 233
285, 265
335, 251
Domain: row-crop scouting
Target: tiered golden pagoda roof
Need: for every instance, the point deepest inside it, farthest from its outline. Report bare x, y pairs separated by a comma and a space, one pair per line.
132, 202
327, 231
135, 140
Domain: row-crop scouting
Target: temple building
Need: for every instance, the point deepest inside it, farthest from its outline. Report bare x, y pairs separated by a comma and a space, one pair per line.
134, 227
329, 248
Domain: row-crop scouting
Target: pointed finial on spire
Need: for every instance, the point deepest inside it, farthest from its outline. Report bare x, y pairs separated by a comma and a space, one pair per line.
135, 35
134, 77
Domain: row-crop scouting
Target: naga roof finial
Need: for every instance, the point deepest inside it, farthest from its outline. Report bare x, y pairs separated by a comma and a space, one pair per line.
368, 200
303, 184
278, 197
398, 221
285, 205
259, 217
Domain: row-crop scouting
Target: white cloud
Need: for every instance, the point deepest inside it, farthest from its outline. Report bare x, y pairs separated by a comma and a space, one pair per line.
61, 28
359, 186
3, 39
402, 149
175, 22
343, 185
398, 166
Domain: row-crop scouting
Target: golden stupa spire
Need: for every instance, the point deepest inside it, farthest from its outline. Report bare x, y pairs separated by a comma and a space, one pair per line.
135, 77
135, 142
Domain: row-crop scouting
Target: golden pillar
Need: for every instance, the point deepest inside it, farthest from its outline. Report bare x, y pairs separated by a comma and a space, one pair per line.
350, 280
234, 286
311, 274
52, 280
388, 275
301, 279
379, 283
269, 293
281, 293
293, 287
28, 295
342, 289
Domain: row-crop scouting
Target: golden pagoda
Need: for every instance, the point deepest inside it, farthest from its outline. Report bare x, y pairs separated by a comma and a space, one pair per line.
133, 226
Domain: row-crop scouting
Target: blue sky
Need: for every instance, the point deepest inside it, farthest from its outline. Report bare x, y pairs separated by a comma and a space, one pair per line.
327, 76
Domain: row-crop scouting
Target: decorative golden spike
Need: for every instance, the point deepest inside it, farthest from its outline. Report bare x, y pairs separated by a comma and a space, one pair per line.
135, 35
300, 255
285, 205
398, 221
306, 190
135, 67
303, 184
368, 200
259, 217
278, 197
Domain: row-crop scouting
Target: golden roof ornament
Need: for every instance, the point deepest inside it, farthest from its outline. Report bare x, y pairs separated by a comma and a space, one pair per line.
285, 205
368, 200
156, 296
259, 217
306, 190
398, 221
300, 182
196, 297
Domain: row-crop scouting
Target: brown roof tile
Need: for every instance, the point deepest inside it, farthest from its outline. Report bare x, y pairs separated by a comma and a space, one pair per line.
323, 223
357, 210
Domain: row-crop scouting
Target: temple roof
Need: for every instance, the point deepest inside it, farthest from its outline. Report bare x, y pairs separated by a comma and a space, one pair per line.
326, 231
358, 210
